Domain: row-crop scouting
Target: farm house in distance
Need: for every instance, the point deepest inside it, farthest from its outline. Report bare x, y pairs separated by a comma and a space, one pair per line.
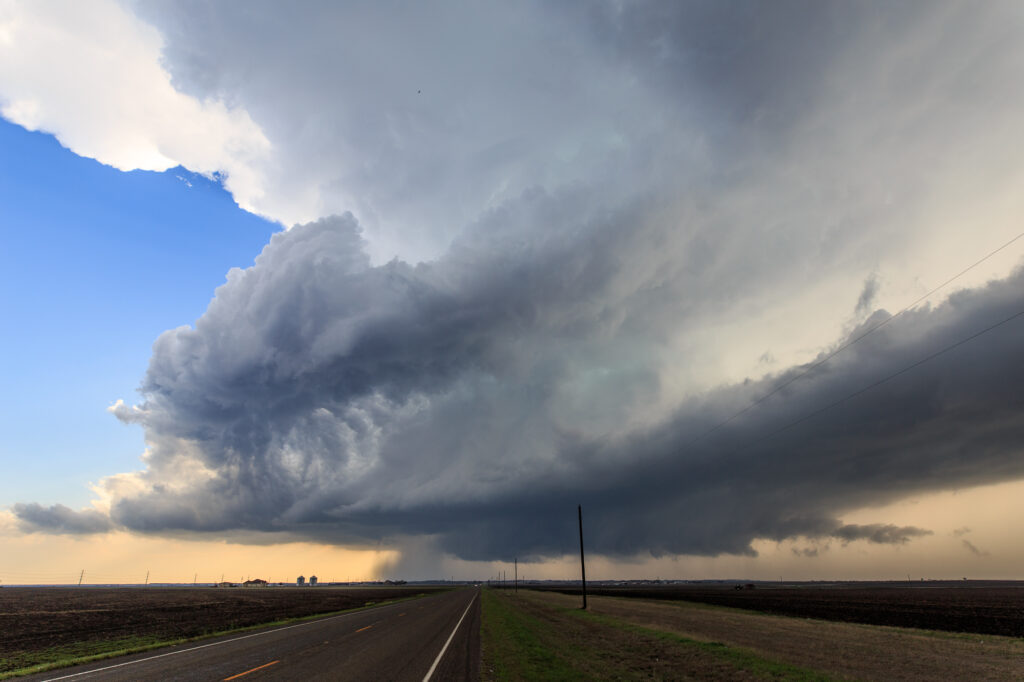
255, 582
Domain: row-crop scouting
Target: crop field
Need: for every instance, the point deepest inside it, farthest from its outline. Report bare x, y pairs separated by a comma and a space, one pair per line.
994, 608
46, 624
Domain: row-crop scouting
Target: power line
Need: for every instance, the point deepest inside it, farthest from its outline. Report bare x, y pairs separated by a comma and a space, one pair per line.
818, 363
892, 376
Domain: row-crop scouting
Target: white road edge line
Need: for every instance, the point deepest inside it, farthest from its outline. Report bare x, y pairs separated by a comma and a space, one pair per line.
204, 646
437, 660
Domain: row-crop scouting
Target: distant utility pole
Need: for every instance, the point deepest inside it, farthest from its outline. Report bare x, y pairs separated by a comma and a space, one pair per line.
194, 579
80, 576
147, 577
583, 565
517, 575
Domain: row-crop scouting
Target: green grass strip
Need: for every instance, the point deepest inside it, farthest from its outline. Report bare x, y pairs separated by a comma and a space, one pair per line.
80, 653
513, 644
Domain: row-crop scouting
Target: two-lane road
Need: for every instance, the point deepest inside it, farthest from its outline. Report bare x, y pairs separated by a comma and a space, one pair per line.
435, 638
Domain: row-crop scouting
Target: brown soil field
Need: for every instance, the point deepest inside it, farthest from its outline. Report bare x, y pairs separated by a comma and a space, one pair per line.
987, 608
34, 619
836, 650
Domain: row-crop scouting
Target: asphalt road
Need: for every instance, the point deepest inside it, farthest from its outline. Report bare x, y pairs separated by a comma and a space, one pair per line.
437, 636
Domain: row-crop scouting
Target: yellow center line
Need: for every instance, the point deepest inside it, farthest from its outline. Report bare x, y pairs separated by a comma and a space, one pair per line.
400, 615
366, 628
259, 667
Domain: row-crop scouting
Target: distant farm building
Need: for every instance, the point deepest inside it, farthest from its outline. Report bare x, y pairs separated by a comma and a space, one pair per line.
301, 580
255, 582
224, 584
312, 580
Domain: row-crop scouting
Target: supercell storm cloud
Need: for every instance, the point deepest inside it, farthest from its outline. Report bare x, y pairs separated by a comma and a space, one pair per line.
322, 396
554, 262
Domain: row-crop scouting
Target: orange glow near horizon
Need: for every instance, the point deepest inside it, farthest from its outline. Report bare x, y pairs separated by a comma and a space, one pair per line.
973, 535
124, 558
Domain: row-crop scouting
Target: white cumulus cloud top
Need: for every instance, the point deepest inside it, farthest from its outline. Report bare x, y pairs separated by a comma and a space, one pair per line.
90, 73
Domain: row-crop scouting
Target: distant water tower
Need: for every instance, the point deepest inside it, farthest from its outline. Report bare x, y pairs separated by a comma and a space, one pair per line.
301, 580
312, 580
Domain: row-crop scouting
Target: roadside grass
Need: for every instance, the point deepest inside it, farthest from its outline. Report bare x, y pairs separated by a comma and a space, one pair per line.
22, 663
29, 662
521, 639
516, 646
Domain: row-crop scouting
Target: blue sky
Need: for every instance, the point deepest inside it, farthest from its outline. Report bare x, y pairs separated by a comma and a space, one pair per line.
96, 264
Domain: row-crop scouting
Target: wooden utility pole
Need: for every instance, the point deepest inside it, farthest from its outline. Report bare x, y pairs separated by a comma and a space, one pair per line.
80, 576
516, 578
147, 577
583, 565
